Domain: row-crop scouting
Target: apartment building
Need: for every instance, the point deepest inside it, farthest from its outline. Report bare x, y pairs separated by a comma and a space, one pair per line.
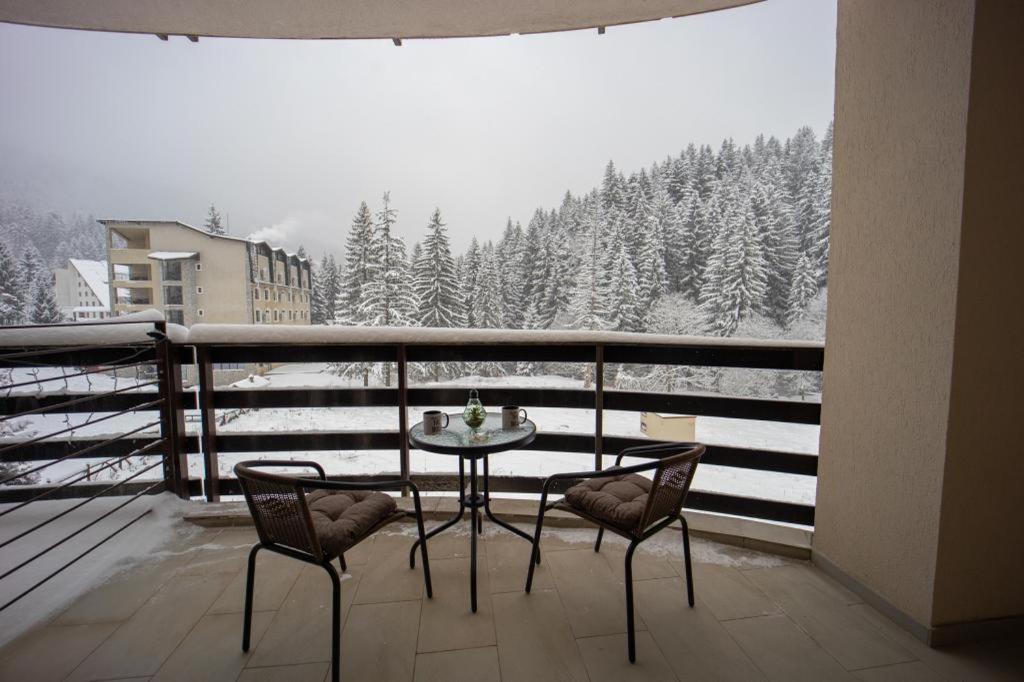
193, 276
83, 290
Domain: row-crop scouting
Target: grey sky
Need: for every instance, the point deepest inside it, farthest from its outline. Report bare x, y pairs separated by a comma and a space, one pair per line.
288, 137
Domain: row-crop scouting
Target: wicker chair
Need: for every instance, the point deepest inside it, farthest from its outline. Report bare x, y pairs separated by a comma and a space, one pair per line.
318, 527
619, 500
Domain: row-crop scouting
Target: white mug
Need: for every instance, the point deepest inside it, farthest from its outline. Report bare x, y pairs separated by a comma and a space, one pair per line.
434, 421
512, 416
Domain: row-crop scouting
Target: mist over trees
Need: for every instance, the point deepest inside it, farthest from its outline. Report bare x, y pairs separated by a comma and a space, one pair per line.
733, 241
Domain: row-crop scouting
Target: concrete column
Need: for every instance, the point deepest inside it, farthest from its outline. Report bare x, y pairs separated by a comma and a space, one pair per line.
920, 475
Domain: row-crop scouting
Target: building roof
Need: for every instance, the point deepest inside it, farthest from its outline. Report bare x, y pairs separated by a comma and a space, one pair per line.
315, 19
94, 272
116, 221
172, 255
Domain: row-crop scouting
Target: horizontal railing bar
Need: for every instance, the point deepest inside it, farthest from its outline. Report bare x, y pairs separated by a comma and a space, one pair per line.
501, 353
84, 473
124, 400
61, 450
70, 429
73, 561
74, 507
20, 493
266, 353
749, 357
84, 528
291, 441
768, 510
796, 412
64, 377
92, 356
301, 397
78, 401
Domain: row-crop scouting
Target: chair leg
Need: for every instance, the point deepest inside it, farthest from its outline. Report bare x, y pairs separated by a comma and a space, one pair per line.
600, 534
686, 560
341, 562
630, 627
335, 622
250, 578
423, 550
535, 552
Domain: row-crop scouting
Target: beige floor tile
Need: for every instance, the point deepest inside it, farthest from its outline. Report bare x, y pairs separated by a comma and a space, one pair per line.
535, 641
694, 643
358, 555
728, 592
275, 576
123, 594
594, 599
390, 579
213, 650
783, 652
645, 566
969, 663
226, 553
462, 665
824, 616
446, 621
607, 659
379, 641
507, 563
51, 653
302, 672
141, 644
915, 671
300, 631
453, 543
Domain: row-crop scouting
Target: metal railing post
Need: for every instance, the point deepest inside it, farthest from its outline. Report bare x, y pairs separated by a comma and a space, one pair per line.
403, 415
598, 407
172, 416
208, 424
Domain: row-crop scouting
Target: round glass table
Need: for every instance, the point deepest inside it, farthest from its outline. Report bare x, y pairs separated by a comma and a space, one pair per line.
459, 440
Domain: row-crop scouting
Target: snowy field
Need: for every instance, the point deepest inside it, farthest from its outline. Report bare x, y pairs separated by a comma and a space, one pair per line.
752, 434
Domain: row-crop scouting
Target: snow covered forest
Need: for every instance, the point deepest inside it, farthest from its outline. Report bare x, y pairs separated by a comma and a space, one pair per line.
733, 243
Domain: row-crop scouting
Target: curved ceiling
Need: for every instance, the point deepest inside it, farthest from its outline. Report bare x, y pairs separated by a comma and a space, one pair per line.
315, 19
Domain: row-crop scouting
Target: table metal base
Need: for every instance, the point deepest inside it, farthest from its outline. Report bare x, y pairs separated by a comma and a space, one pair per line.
474, 502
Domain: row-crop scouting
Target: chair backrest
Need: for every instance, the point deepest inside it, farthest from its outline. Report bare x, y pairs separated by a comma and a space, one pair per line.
278, 506
671, 480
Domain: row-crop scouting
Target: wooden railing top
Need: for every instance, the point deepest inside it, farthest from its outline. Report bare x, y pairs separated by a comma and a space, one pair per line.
243, 334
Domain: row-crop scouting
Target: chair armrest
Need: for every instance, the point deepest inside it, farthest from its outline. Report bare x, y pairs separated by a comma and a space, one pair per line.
652, 450
603, 473
294, 463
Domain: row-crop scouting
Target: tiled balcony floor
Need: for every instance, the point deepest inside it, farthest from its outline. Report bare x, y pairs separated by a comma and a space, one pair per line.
757, 617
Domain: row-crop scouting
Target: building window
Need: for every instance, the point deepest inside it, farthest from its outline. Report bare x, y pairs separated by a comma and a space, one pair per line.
258, 316
266, 316
199, 266
172, 295
266, 294
175, 316
200, 311
199, 290
172, 271
255, 294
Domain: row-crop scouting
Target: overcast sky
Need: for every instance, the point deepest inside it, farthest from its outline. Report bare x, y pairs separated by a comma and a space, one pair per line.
287, 137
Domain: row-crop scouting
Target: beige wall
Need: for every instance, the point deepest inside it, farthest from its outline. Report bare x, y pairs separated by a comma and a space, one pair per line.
921, 472
980, 568
901, 111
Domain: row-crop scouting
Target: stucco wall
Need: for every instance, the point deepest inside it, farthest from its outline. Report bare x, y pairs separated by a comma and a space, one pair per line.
981, 542
902, 74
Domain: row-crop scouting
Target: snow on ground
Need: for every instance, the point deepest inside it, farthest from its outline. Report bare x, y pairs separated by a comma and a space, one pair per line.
754, 434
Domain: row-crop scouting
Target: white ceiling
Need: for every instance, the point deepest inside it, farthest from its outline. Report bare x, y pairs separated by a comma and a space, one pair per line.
312, 19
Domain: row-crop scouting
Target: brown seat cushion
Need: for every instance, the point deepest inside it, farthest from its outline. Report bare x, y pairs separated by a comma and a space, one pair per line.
341, 519
617, 500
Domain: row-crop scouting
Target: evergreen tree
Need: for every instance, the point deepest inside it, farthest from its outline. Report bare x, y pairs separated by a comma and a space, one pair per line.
11, 306
590, 297
470, 273
30, 269
213, 225
804, 288
317, 303
488, 293
435, 280
360, 250
387, 298
623, 308
332, 291
510, 261
44, 307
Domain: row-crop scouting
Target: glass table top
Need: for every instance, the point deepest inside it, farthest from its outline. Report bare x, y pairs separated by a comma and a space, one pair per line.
459, 438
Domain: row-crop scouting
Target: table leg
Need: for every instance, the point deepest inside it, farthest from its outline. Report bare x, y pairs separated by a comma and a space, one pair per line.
472, 535
450, 522
490, 514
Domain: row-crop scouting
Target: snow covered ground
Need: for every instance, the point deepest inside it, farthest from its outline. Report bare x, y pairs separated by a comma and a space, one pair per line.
753, 434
